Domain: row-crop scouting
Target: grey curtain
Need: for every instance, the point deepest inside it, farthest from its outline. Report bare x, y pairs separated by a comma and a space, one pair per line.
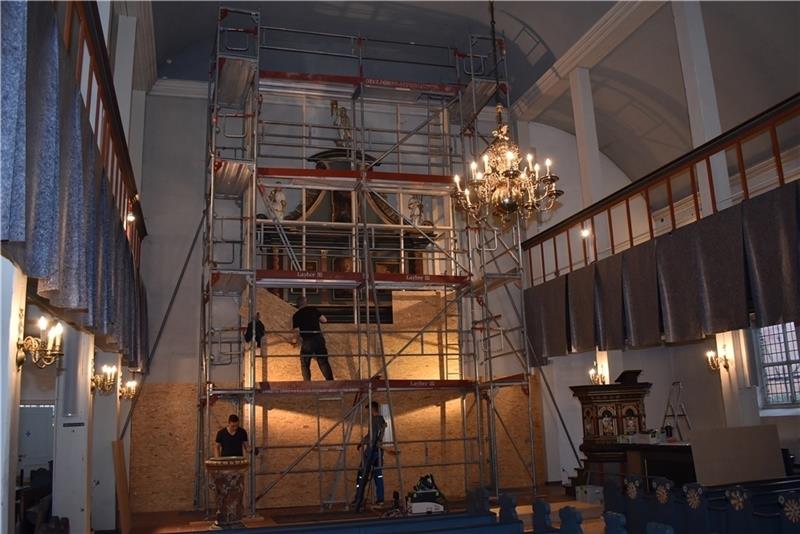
720, 257
580, 309
608, 314
546, 319
679, 286
689, 284
770, 228
59, 218
640, 295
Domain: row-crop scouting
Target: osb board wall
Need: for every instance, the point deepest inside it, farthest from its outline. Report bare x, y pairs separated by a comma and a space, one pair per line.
164, 425
163, 434
163, 443
433, 419
423, 357
427, 417
513, 436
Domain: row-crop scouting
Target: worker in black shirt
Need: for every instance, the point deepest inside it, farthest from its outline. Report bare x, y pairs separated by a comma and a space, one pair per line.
232, 439
259, 331
306, 324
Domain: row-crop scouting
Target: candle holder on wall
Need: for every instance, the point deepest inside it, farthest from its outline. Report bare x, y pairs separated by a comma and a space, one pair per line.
105, 382
128, 391
596, 375
43, 350
717, 361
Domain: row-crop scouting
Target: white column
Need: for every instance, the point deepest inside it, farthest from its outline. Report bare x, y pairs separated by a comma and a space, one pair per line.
739, 397
72, 455
12, 318
585, 134
136, 135
580, 85
123, 68
104, 8
105, 415
701, 98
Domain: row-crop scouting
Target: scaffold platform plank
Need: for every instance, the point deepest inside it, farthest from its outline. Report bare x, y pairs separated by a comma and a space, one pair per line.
283, 172
350, 280
371, 87
473, 99
355, 386
417, 281
307, 279
228, 282
235, 80
510, 380
231, 177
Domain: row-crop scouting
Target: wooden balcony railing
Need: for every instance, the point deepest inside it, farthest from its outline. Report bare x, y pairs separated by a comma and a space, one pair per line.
82, 33
757, 156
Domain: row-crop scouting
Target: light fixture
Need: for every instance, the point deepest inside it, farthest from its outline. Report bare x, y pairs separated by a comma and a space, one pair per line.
42, 352
131, 216
585, 232
128, 391
596, 375
505, 184
716, 361
104, 382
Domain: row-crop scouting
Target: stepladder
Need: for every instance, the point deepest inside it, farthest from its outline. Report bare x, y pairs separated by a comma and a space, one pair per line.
675, 410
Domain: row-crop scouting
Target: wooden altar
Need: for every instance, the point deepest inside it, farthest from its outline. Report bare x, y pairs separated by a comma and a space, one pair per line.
612, 410
609, 411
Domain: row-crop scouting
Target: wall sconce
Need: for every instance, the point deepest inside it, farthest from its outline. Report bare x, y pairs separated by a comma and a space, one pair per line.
596, 377
128, 391
104, 382
715, 361
42, 353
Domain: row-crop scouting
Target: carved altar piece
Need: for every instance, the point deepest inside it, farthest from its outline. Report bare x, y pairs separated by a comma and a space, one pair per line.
227, 476
612, 410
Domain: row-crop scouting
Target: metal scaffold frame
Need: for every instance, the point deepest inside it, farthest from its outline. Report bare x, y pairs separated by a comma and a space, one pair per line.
246, 250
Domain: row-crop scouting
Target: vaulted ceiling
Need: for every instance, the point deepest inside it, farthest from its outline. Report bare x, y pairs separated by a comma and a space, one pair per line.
640, 105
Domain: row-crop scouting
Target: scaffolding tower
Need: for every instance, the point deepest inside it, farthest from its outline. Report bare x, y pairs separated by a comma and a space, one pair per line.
358, 236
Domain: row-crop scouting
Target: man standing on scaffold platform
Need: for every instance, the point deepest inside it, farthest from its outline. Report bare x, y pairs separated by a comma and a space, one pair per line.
371, 460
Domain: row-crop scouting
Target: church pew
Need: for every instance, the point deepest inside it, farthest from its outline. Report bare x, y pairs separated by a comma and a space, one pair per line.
698, 509
637, 504
460, 523
790, 512
665, 506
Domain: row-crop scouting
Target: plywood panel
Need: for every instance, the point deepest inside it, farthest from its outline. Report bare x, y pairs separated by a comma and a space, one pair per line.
412, 356
121, 482
736, 454
163, 434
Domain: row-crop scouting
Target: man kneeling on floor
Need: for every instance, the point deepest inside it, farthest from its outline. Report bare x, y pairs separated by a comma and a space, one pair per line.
306, 324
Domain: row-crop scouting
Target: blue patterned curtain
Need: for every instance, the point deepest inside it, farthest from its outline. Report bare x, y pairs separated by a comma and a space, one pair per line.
59, 219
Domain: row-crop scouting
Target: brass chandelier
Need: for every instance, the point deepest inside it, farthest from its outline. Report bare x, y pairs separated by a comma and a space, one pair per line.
505, 184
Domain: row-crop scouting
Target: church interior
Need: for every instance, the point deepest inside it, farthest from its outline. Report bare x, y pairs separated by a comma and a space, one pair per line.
387, 267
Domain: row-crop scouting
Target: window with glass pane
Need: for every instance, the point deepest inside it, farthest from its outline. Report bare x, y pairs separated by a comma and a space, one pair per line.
780, 364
